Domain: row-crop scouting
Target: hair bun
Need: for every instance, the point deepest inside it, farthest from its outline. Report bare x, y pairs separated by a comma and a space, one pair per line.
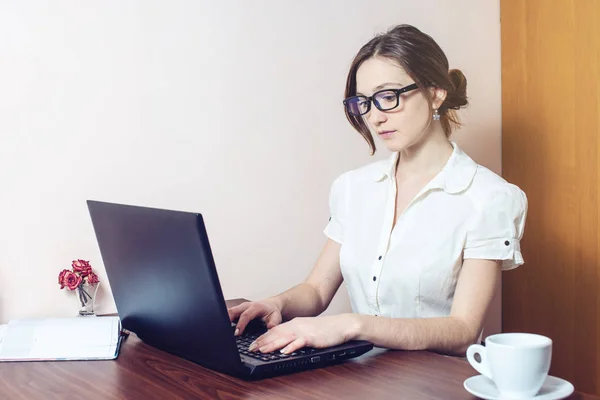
458, 97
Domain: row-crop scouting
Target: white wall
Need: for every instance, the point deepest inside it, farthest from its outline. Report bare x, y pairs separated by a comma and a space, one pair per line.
228, 108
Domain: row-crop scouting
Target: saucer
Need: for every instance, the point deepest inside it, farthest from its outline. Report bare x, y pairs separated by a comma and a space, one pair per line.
553, 388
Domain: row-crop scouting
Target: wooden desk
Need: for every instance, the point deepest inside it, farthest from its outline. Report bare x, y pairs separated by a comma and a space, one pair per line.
143, 372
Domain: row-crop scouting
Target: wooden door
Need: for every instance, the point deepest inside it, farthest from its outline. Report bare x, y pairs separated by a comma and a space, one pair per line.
550, 148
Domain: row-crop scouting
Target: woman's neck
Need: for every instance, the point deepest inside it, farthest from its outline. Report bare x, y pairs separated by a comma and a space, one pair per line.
428, 157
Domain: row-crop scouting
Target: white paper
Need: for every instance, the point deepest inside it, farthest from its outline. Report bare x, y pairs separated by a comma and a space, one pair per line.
78, 338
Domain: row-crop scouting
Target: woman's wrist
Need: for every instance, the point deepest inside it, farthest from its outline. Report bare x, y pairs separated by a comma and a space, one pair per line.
277, 302
353, 324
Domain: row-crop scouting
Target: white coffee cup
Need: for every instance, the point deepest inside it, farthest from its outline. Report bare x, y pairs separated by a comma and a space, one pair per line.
518, 363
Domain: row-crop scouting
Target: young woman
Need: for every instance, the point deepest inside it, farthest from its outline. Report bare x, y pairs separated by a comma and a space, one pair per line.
419, 239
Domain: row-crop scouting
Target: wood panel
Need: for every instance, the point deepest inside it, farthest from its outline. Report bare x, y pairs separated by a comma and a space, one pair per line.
550, 148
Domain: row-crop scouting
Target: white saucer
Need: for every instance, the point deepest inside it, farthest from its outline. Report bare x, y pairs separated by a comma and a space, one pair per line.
553, 388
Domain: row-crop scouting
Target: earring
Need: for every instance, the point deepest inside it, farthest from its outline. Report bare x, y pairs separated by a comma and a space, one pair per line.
436, 115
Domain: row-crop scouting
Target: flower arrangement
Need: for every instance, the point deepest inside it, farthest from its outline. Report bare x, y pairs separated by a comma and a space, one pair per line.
77, 278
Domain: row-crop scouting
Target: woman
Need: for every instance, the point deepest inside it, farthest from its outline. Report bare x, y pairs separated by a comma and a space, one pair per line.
420, 239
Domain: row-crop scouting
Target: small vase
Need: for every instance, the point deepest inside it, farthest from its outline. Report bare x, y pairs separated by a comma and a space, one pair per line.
86, 297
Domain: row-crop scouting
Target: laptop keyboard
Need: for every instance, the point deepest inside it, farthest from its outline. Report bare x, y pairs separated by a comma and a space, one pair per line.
244, 341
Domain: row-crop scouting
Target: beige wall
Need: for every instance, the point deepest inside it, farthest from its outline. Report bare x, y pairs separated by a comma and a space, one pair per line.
231, 109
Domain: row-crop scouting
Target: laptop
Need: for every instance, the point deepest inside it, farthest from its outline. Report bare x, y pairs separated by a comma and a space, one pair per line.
166, 289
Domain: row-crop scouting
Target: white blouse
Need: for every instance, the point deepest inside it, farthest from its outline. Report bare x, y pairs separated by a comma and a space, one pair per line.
466, 211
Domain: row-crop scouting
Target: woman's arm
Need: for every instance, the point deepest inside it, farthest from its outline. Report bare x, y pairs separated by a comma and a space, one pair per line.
450, 335
313, 296
309, 298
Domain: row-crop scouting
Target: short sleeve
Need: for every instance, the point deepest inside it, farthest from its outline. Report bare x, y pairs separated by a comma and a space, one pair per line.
497, 228
337, 210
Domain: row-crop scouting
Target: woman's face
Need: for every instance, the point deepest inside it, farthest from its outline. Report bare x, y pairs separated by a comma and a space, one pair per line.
403, 126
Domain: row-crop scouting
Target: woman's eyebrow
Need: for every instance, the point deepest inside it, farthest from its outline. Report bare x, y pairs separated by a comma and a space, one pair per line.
387, 84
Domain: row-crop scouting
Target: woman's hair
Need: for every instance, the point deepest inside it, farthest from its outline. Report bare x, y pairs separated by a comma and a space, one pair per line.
424, 61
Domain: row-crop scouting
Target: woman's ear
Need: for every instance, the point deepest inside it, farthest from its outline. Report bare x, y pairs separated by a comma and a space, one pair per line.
438, 96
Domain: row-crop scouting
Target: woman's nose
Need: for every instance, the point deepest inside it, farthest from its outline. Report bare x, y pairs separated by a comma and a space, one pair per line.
376, 116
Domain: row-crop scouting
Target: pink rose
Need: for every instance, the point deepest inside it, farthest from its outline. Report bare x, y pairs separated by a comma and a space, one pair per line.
92, 278
61, 277
72, 280
83, 267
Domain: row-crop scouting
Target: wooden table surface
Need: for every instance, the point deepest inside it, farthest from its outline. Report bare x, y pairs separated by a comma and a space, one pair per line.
143, 372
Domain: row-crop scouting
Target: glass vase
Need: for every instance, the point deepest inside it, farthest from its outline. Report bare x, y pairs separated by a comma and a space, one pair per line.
86, 298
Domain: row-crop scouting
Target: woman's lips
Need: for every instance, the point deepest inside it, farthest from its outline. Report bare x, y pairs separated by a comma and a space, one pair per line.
386, 134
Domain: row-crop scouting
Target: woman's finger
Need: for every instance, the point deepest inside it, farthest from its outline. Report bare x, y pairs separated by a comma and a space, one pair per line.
273, 320
294, 345
264, 339
234, 312
277, 343
245, 318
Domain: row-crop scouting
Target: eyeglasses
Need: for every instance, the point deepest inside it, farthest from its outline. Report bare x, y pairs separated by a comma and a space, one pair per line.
384, 100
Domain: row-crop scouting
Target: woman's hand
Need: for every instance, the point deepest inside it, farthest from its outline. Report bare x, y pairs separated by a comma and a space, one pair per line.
266, 310
317, 332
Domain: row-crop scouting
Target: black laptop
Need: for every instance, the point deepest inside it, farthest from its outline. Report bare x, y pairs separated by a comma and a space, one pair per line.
166, 289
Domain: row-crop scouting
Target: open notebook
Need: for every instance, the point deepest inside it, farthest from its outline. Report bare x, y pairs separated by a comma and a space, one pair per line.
77, 338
